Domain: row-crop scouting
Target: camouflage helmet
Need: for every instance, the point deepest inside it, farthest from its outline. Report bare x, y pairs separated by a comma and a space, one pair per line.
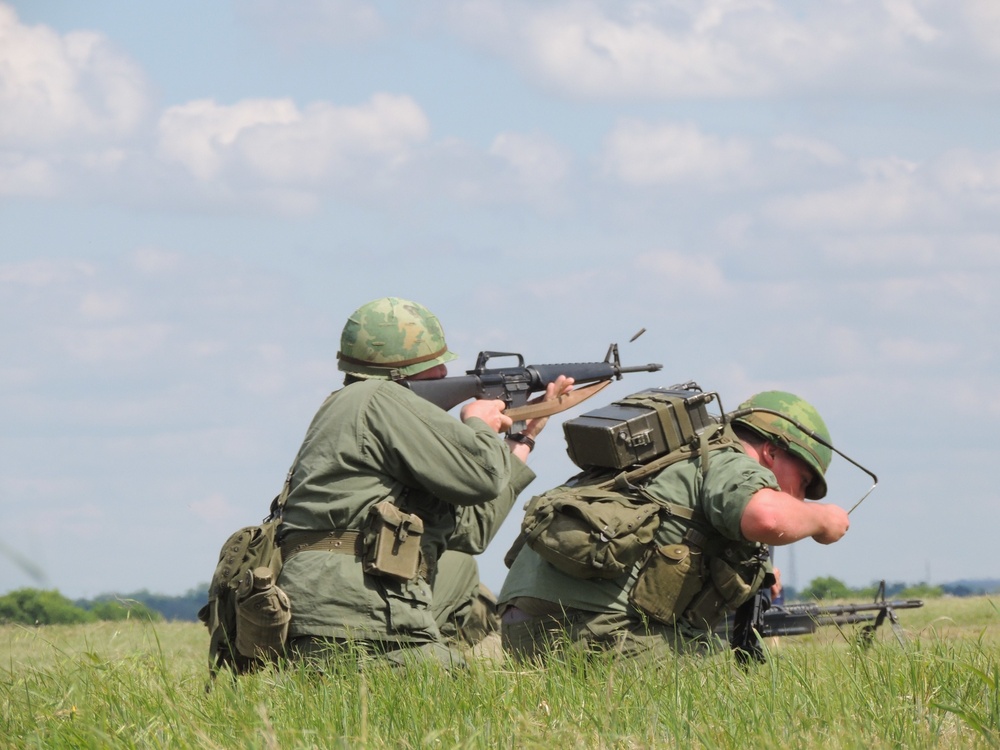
391, 338
772, 427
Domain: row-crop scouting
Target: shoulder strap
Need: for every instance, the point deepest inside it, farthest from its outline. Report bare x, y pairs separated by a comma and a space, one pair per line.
719, 437
278, 504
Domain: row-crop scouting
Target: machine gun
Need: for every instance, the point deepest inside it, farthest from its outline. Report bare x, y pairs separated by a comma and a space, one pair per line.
514, 385
802, 619
755, 620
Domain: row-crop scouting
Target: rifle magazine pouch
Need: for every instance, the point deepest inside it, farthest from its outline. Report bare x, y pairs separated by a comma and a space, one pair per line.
667, 582
726, 590
734, 588
587, 534
262, 616
392, 542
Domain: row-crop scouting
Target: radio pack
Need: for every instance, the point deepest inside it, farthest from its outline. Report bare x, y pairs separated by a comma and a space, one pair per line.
639, 428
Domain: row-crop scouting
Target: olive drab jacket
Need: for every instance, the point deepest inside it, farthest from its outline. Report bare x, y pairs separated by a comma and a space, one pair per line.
374, 440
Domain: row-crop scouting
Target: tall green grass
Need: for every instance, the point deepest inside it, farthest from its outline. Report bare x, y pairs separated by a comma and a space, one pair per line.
143, 685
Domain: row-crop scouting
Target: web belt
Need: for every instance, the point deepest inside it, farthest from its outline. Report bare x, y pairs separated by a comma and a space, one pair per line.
338, 541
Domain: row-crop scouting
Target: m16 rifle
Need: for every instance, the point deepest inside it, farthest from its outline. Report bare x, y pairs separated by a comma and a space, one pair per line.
759, 620
515, 384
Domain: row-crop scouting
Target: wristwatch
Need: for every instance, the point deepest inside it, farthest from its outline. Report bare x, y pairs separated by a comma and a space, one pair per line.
520, 437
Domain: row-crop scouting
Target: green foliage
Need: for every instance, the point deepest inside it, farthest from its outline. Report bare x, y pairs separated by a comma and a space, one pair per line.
124, 609
920, 591
35, 607
826, 588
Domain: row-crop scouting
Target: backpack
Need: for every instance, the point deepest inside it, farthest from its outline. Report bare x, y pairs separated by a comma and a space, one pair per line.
602, 521
247, 614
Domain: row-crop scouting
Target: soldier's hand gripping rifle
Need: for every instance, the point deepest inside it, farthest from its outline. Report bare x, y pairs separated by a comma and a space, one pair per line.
515, 385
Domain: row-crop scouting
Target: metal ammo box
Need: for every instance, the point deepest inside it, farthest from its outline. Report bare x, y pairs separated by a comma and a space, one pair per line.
639, 428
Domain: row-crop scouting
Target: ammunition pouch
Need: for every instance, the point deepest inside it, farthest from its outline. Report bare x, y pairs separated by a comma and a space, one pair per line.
726, 590
669, 579
392, 542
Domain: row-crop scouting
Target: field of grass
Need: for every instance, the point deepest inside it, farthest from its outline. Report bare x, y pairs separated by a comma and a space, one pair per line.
139, 685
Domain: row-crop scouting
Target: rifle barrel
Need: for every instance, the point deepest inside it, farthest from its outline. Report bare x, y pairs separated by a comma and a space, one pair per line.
843, 609
651, 367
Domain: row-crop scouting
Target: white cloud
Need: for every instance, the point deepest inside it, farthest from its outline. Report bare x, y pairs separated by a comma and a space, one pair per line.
914, 352
112, 345
906, 21
22, 174
153, 260
947, 191
534, 170
67, 102
103, 306
74, 87
214, 507
844, 345
813, 149
970, 179
580, 47
43, 273
77, 521
886, 194
983, 20
949, 300
276, 143
536, 161
883, 251
737, 48
646, 154
200, 133
686, 274
567, 285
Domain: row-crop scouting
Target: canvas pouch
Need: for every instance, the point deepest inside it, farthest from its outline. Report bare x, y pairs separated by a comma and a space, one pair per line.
392, 542
263, 612
668, 581
587, 532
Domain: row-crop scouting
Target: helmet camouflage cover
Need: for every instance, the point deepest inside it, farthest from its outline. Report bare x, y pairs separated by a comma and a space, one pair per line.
772, 427
391, 338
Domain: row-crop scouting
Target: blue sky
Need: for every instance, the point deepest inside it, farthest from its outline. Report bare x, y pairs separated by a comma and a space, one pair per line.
194, 196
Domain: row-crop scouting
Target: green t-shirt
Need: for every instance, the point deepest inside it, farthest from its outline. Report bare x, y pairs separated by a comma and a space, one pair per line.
721, 497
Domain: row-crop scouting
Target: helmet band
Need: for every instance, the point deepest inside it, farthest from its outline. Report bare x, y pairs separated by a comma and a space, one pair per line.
392, 365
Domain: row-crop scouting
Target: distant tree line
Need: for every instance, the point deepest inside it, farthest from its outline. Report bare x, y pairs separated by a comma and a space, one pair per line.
832, 588
35, 607
183, 607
